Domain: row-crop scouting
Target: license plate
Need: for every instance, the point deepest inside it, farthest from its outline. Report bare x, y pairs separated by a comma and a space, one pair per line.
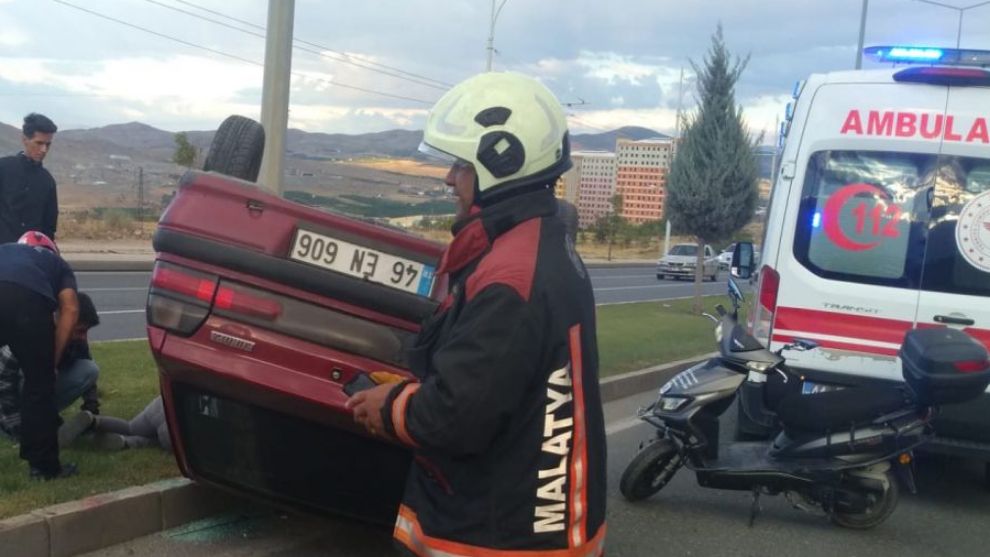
361, 262
810, 388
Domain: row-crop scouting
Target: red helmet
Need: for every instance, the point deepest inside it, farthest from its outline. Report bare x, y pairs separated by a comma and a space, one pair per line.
37, 239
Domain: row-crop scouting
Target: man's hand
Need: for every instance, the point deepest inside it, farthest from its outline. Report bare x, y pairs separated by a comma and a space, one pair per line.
367, 406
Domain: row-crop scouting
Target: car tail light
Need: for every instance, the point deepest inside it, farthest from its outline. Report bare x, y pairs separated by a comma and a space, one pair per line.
179, 299
244, 303
766, 304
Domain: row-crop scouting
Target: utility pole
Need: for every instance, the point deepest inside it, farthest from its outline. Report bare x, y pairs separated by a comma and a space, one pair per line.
491, 32
862, 35
275, 92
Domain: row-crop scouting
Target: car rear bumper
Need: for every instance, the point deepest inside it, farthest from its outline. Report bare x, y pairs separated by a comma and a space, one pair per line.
278, 434
676, 271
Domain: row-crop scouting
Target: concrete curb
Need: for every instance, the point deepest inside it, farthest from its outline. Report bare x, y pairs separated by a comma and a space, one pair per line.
107, 519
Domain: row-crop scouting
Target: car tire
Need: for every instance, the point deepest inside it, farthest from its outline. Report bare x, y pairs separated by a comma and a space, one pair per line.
659, 276
237, 148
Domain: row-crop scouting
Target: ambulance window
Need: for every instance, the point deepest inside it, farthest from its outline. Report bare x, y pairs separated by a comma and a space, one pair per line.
861, 216
957, 182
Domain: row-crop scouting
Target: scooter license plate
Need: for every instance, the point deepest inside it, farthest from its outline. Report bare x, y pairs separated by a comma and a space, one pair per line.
810, 388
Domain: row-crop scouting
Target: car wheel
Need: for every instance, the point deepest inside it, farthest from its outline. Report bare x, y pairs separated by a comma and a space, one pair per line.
659, 276
237, 148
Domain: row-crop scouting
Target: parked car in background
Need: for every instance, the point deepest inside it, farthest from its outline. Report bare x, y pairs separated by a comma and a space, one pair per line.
682, 259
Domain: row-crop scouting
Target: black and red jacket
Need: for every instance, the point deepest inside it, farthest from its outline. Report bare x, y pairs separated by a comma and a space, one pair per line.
506, 422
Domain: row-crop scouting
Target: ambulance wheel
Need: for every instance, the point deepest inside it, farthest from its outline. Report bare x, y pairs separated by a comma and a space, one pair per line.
237, 148
650, 470
881, 505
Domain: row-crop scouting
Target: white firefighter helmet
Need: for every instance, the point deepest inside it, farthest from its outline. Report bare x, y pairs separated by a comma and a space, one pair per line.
510, 127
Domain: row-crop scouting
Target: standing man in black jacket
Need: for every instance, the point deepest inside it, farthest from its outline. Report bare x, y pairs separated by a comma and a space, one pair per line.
28, 200
505, 419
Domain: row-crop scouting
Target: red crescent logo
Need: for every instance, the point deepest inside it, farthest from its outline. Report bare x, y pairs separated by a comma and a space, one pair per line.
833, 210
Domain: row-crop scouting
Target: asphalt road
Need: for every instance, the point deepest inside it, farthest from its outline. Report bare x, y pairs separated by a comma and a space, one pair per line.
948, 517
120, 296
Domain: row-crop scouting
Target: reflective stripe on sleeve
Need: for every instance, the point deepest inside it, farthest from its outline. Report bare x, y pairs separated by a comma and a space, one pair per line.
399, 406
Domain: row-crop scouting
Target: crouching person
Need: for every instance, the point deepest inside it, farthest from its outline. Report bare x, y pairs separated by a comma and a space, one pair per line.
38, 311
76, 379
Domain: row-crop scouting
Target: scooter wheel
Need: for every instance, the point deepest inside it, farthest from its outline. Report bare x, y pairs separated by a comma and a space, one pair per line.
881, 506
650, 470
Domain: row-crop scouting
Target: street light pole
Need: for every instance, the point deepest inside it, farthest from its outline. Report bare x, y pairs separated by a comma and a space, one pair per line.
862, 35
961, 11
491, 32
275, 91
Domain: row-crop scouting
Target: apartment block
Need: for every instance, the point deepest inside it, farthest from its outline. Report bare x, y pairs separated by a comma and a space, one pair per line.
590, 184
641, 177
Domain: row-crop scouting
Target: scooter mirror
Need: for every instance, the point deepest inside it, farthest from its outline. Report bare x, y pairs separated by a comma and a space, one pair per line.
735, 294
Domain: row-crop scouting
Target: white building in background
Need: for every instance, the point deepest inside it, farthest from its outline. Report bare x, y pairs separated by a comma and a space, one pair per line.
590, 184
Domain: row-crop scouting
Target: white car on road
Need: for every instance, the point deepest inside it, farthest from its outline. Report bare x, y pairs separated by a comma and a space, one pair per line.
682, 259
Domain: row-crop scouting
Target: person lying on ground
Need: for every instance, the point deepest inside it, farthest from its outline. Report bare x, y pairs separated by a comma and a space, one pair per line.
144, 430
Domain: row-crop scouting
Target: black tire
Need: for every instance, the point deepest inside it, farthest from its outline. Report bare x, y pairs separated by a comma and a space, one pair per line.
882, 505
659, 276
650, 470
237, 149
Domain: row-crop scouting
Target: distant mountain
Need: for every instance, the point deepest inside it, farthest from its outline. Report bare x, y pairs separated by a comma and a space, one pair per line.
10, 139
606, 141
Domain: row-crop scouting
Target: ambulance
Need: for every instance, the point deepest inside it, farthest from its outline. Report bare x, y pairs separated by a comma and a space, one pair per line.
879, 222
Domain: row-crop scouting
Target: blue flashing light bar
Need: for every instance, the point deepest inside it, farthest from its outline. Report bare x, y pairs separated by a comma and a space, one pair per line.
928, 55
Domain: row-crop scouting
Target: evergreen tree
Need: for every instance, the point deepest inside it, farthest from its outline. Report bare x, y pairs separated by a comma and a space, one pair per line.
185, 152
711, 189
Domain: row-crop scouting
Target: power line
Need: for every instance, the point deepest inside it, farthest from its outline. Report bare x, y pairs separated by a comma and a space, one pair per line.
340, 56
234, 56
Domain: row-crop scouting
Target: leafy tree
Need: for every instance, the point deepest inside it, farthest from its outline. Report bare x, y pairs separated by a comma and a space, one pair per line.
711, 190
185, 152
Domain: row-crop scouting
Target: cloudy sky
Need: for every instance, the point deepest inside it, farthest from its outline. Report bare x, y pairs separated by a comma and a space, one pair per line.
379, 64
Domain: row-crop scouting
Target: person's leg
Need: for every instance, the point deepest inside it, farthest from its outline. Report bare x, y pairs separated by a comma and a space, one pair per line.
74, 381
164, 441
10, 393
110, 424
146, 423
91, 400
32, 341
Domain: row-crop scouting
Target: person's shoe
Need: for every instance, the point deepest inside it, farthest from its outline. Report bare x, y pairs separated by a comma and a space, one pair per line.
91, 406
73, 428
66, 471
110, 441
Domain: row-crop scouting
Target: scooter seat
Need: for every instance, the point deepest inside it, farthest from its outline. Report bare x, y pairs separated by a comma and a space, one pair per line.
834, 410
